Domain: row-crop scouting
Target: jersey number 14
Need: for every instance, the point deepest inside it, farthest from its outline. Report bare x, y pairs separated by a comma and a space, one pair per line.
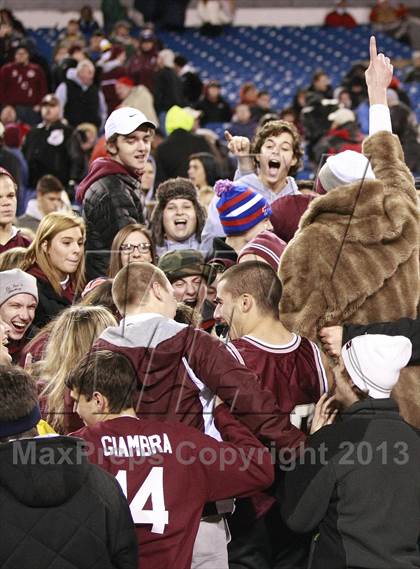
152, 487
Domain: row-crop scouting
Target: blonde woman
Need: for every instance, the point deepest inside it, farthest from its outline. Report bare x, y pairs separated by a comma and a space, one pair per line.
132, 243
55, 259
12, 258
71, 337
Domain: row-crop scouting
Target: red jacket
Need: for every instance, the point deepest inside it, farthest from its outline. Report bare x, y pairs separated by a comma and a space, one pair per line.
337, 20
22, 84
108, 81
180, 368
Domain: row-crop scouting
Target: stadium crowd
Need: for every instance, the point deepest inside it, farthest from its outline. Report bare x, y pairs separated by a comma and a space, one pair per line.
205, 362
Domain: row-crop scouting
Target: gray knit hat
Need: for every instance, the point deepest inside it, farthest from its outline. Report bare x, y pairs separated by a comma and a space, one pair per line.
15, 282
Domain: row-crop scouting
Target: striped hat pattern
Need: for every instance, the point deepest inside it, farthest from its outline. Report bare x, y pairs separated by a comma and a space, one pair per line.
239, 207
267, 246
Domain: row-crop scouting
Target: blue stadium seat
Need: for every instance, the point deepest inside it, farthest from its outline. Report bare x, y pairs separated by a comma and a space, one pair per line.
279, 59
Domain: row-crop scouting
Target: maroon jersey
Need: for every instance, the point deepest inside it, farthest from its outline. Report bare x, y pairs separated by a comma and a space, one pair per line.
179, 370
295, 375
293, 372
168, 471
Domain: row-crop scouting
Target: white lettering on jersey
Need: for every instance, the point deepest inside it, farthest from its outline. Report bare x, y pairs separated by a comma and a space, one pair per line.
152, 488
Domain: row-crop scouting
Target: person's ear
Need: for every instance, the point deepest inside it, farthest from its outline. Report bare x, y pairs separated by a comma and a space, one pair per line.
246, 303
44, 246
100, 401
111, 148
156, 290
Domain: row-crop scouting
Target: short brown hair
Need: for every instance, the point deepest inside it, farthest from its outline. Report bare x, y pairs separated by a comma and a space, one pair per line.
109, 373
132, 284
18, 394
48, 184
274, 128
10, 177
113, 139
257, 279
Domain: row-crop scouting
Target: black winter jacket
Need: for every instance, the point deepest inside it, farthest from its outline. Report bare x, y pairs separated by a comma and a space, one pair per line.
219, 111
358, 482
59, 511
168, 90
50, 304
47, 151
111, 200
172, 156
408, 327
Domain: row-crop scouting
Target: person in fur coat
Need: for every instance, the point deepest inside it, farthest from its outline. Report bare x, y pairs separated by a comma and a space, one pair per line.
355, 257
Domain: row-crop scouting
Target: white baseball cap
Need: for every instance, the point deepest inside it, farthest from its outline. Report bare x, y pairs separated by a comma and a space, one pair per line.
374, 362
342, 116
125, 120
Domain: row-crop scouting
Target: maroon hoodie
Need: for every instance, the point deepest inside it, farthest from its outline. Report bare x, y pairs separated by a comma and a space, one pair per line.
100, 168
67, 293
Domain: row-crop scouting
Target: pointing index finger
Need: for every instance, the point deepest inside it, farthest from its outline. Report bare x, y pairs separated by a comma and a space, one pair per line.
228, 136
372, 48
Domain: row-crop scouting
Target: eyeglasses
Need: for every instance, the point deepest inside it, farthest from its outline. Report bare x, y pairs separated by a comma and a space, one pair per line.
141, 248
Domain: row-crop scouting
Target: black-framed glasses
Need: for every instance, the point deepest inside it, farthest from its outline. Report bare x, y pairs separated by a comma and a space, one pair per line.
141, 248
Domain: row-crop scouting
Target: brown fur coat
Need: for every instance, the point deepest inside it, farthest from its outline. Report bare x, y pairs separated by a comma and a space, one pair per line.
377, 272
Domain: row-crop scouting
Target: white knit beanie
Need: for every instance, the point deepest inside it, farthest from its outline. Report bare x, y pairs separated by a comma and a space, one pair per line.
344, 168
374, 362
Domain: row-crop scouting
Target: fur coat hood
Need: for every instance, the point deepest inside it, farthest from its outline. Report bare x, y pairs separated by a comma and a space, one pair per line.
355, 257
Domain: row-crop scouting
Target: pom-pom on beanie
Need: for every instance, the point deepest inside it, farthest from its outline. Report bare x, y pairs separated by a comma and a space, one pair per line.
240, 208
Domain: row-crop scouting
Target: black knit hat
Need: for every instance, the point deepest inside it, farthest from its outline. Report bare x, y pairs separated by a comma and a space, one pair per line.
173, 189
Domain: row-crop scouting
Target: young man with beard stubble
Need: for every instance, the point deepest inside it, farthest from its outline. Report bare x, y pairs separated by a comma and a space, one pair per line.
290, 367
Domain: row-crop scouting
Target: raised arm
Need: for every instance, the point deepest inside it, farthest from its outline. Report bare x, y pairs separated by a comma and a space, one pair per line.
382, 148
378, 77
240, 147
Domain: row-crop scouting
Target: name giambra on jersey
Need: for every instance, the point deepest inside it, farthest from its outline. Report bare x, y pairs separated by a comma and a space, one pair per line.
135, 445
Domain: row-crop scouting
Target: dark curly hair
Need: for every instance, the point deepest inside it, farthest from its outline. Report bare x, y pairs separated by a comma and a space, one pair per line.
172, 189
274, 128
